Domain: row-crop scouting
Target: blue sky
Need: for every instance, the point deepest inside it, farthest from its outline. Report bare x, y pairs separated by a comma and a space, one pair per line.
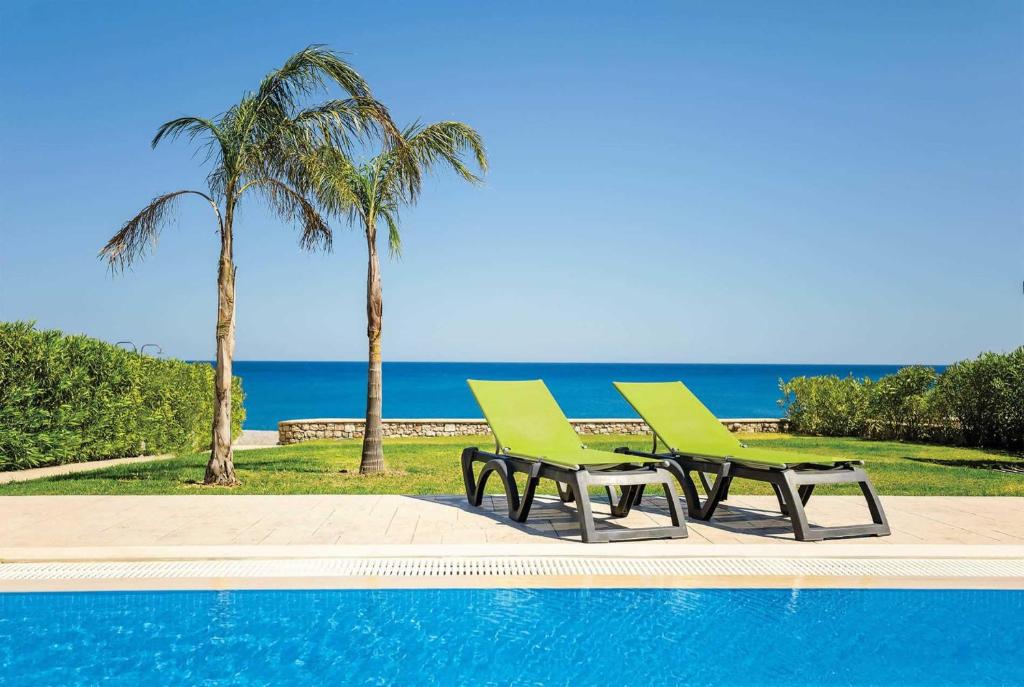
673, 182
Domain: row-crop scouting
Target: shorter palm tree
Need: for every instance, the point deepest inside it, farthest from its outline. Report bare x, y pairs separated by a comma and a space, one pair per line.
370, 195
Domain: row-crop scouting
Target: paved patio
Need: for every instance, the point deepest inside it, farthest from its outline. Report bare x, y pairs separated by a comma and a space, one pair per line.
50, 523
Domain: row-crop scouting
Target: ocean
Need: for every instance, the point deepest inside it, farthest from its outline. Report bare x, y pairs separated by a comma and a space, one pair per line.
277, 390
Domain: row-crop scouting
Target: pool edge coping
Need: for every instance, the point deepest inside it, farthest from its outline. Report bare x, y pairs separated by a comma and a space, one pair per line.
628, 550
497, 582
468, 571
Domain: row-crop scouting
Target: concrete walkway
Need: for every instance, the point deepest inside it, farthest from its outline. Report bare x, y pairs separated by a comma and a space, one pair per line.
249, 439
68, 527
257, 438
72, 468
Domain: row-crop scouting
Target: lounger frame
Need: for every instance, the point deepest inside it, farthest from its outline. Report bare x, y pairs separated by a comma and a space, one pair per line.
793, 487
573, 485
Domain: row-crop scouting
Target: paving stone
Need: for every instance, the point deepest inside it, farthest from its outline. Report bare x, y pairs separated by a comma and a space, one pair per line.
205, 520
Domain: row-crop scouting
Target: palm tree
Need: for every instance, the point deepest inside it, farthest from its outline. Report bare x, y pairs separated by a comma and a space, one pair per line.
258, 146
370, 195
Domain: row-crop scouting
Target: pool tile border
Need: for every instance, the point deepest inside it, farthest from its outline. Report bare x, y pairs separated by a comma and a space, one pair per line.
520, 571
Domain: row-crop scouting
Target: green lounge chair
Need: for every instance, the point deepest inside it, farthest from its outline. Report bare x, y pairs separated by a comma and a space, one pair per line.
534, 437
698, 442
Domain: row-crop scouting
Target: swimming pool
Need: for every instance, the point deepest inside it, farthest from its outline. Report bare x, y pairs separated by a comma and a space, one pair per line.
514, 637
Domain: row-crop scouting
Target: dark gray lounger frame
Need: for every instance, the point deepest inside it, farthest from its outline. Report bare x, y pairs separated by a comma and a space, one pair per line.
573, 486
793, 487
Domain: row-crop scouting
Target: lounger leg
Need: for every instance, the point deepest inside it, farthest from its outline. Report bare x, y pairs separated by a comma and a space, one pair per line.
621, 505
805, 492
795, 507
783, 508
468, 478
719, 492
874, 504
725, 487
475, 486
564, 492
797, 487
627, 483
674, 510
588, 531
693, 506
613, 497
715, 492
662, 477
532, 479
704, 482
638, 491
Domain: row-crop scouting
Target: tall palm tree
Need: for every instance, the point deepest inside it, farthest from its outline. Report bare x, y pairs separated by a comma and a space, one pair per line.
258, 146
370, 195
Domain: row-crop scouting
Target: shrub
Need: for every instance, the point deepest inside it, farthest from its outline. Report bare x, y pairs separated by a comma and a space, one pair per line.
73, 398
826, 405
976, 402
898, 405
983, 400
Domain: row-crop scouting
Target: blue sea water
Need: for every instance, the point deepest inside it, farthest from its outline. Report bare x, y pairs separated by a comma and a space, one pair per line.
278, 391
549, 637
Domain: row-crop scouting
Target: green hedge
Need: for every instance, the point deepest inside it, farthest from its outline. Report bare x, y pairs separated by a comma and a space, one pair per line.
68, 399
976, 402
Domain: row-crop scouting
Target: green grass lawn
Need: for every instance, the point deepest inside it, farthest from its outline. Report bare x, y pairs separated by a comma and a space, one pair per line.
431, 466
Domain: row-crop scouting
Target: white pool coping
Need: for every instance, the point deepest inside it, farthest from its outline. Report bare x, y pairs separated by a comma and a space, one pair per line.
367, 567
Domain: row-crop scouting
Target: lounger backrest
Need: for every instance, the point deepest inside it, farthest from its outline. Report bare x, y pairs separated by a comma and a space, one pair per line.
678, 417
525, 418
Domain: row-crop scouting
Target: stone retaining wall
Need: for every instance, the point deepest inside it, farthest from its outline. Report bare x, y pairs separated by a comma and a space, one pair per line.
294, 431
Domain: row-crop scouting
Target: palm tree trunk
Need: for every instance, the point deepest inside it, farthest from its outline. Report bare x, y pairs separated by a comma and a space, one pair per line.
372, 460
221, 468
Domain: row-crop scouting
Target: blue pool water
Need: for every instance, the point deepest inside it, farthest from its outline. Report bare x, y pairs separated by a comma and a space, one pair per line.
514, 637
278, 391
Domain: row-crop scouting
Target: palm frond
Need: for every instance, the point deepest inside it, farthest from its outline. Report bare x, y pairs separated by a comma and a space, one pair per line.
394, 235
341, 187
425, 147
448, 142
306, 72
217, 181
192, 127
143, 230
310, 71
292, 206
272, 133
338, 122
393, 178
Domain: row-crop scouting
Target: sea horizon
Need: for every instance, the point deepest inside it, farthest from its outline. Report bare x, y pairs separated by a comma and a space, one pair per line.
279, 390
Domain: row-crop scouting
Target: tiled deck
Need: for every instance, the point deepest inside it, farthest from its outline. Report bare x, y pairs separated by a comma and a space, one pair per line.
69, 522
